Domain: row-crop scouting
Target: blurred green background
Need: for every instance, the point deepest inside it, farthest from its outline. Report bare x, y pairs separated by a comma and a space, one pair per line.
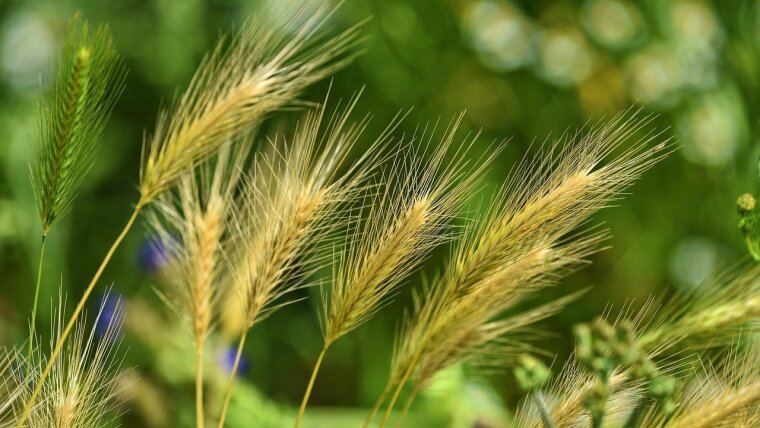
524, 70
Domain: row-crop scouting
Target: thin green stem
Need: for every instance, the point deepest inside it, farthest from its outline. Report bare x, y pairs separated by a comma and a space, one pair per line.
199, 417
77, 311
377, 405
33, 322
307, 394
538, 399
231, 381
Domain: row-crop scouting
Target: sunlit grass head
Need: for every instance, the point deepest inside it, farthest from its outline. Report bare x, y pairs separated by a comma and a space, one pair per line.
82, 388
240, 82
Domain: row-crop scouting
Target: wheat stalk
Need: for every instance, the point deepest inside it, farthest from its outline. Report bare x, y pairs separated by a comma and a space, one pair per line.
192, 224
518, 248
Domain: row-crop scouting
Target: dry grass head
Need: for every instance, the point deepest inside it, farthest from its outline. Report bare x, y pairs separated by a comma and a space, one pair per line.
82, 388
524, 243
12, 366
408, 218
192, 224
725, 393
290, 207
564, 399
85, 84
713, 314
237, 85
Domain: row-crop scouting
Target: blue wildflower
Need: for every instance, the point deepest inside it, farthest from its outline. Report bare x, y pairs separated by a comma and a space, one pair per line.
154, 254
108, 322
227, 360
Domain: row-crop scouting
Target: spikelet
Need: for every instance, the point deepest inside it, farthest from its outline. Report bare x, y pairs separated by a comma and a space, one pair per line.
192, 224
82, 388
725, 394
11, 384
407, 221
86, 83
565, 400
290, 206
568, 392
710, 315
521, 246
236, 86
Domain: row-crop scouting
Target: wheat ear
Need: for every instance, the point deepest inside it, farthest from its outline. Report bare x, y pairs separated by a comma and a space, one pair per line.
192, 224
721, 392
11, 383
521, 246
565, 400
230, 90
290, 204
715, 312
82, 387
236, 86
87, 80
401, 230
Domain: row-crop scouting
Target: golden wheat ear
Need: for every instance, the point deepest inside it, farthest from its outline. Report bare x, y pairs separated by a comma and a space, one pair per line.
289, 207
13, 372
191, 223
565, 396
409, 215
293, 202
237, 85
713, 314
524, 243
82, 388
724, 391
408, 218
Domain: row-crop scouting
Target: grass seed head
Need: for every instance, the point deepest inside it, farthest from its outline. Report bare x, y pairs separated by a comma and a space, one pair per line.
86, 81
236, 86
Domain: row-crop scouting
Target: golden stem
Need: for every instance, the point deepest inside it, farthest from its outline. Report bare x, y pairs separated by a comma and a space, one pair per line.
407, 405
307, 394
394, 398
199, 387
378, 403
231, 381
80, 307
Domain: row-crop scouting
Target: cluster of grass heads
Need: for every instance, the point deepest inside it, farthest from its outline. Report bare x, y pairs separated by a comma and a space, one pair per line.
251, 226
